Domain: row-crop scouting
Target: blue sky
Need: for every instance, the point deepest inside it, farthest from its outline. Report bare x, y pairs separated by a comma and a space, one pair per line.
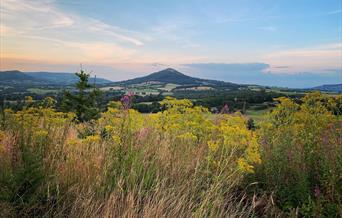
283, 43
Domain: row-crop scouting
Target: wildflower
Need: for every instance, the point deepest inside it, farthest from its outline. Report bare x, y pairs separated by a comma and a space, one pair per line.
213, 146
225, 109
109, 128
116, 139
40, 133
187, 136
252, 151
72, 142
244, 166
92, 139
126, 101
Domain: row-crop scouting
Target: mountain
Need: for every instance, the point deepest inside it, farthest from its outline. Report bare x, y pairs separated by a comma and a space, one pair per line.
16, 77
63, 78
170, 75
329, 88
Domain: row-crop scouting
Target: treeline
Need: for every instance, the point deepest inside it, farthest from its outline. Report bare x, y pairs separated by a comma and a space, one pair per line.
214, 100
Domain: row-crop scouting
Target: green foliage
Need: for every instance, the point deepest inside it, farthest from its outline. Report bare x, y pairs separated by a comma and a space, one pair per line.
181, 161
24, 174
301, 156
85, 102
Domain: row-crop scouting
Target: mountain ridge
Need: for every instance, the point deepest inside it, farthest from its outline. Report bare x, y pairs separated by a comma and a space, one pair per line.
329, 88
170, 75
44, 78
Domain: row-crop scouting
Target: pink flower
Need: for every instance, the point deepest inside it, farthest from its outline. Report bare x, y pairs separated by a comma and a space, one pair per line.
225, 109
126, 101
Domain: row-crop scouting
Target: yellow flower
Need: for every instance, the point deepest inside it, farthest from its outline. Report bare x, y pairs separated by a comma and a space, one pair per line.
187, 136
72, 142
252, 151
213, 146
40, 133
244, 166
92, 139
116, 139
109, 128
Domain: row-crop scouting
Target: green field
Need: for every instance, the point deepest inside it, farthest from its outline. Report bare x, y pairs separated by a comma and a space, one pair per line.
257, 115
42, 91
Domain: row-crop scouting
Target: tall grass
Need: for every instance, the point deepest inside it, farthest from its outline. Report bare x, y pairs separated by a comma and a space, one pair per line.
181, 162
124, 165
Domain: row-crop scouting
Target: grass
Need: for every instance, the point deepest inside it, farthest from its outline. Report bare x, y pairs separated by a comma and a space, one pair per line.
169, 87
124, 165
42, 91
182, 162
258, 115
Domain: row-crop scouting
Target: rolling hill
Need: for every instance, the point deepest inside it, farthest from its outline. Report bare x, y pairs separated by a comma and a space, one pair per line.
15, 77
158, 81
64, 78
329, 88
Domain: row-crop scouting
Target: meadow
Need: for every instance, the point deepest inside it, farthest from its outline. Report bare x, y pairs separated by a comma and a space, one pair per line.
180, 162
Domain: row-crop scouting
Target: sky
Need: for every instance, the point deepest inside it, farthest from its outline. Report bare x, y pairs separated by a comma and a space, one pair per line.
289, 43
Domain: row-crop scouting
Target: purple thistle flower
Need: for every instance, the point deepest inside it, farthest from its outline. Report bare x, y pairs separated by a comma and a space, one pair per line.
225, 109
126, 101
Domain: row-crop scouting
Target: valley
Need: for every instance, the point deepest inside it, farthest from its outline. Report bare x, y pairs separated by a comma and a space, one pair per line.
150, 90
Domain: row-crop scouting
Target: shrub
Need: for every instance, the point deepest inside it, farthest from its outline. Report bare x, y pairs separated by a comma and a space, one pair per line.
179, 162
301, 157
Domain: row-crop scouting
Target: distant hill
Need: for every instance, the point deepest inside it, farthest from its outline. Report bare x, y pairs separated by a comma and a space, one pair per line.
15, 77
329, 88
170, 75
66, 78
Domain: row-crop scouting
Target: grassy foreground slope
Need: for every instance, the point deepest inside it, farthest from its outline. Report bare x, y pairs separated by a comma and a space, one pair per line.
181, 162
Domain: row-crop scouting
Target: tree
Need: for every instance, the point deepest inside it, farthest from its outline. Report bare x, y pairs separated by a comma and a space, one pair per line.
85, 101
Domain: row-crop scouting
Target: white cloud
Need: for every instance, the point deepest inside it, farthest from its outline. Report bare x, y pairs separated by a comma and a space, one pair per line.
44, 18
97, 26
310, 59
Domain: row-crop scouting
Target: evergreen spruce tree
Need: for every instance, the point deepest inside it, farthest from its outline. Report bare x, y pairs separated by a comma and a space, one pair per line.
85, 101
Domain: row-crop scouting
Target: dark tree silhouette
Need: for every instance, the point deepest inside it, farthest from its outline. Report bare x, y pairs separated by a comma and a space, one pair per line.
84, 102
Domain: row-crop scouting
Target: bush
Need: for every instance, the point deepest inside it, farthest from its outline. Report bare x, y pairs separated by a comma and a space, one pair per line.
179, 162
302, 157
182, 161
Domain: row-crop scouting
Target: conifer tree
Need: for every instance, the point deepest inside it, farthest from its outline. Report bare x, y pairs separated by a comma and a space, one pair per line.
85, 101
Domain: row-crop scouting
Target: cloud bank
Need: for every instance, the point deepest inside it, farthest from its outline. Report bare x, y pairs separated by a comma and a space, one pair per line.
261, 74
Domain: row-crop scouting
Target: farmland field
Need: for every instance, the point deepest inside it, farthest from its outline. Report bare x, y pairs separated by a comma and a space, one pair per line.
42, 91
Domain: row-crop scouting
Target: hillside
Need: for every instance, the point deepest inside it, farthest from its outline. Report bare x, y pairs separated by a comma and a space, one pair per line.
16, 77
64, 78
329, 88
170, 75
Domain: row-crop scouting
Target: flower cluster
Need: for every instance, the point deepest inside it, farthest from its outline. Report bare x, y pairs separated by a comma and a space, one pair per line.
126, 101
